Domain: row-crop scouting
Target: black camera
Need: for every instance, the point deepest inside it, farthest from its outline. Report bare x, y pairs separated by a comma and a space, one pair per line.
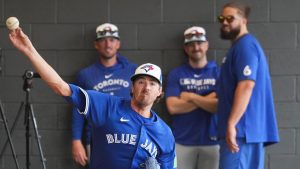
30, 74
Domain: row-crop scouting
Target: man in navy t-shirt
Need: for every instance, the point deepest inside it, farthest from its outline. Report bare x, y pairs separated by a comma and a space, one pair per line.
191, 99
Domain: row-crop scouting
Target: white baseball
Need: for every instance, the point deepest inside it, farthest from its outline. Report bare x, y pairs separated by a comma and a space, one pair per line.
12, 23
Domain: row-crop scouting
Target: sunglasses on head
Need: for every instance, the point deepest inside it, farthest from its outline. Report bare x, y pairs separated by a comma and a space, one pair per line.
105, 32
228, 18
191, 35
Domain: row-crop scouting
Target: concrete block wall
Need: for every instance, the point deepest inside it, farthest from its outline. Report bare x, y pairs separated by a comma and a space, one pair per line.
151, 31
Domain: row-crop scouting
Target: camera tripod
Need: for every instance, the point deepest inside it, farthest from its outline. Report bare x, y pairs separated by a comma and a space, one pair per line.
29, 117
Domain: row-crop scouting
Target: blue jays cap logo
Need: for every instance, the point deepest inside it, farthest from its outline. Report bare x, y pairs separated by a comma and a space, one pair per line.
150, 70
147, 68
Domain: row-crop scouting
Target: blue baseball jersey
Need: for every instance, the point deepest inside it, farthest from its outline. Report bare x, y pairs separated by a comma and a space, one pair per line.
199, 126
246, 60
113, 80
121, 137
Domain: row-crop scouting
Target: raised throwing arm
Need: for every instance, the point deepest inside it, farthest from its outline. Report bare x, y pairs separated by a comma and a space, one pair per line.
47, 73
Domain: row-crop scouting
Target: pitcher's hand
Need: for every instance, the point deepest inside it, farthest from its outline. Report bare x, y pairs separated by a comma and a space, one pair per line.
20, 40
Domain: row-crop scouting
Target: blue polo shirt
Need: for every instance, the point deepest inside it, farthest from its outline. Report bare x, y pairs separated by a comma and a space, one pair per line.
246, 60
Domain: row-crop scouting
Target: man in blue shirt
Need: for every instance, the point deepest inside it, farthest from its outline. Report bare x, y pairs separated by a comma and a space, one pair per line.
246, 116
127, 134
191, 99
111, 75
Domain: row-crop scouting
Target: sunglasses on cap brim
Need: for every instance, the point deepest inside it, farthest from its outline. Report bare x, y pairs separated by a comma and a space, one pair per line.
105, 32
191, 35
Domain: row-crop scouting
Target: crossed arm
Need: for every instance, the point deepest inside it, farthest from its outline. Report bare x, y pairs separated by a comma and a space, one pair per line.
188, 101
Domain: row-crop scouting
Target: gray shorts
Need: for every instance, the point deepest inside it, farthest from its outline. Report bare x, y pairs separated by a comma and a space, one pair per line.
197, 157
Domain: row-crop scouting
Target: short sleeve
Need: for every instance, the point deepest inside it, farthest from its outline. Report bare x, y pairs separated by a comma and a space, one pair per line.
246, 62
78, 99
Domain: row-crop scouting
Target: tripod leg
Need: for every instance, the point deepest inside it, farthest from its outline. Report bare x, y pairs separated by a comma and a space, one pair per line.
27, 134
37, 135
8, 137
13, 127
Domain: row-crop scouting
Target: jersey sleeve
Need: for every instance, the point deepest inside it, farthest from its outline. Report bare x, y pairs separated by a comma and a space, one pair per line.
172, 87
92, 104
78, 121
246, 62
169, 160
78, 98
77, 124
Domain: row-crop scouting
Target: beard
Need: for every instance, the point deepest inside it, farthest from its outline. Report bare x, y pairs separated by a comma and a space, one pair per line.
231, 35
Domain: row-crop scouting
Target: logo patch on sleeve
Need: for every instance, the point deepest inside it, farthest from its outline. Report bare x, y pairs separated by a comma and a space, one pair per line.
247, 71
